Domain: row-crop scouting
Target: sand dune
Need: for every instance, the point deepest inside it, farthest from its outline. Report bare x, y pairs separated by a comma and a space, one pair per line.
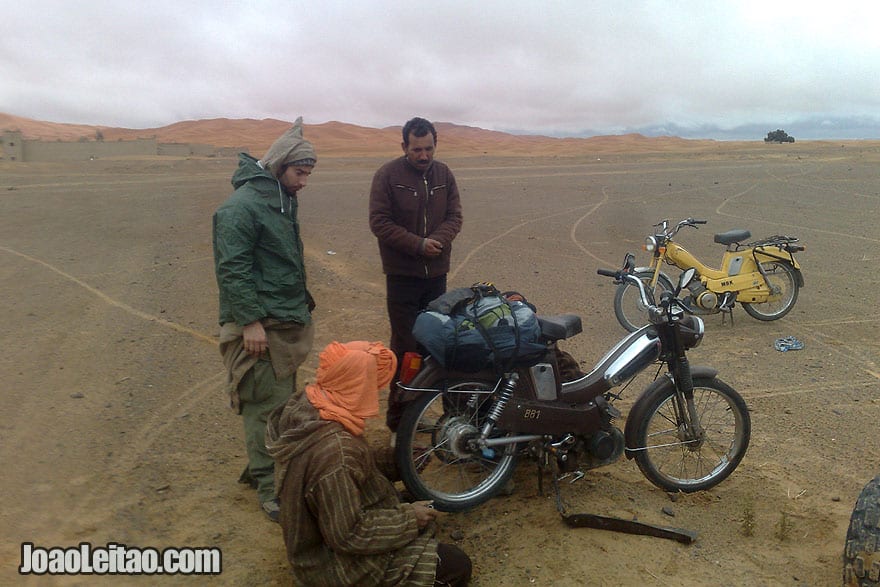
340, 139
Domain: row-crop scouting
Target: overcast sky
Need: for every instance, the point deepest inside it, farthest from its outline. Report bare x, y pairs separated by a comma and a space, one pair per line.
559, 67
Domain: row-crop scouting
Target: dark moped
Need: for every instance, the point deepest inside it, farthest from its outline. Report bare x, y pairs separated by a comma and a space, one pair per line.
459, 441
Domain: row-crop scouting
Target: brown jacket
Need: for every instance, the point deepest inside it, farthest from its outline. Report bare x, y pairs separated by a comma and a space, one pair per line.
405, 208
342, 521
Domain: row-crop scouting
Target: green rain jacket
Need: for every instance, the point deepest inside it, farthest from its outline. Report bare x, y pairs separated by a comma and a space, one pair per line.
258, 252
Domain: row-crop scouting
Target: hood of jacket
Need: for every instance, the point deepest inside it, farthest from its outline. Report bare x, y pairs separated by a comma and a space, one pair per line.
293, 429
250, 170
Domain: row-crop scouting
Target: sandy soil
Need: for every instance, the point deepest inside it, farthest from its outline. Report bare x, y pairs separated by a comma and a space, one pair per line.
115, 430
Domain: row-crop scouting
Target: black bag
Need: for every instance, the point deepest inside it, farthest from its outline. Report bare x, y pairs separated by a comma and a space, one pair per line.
471, 329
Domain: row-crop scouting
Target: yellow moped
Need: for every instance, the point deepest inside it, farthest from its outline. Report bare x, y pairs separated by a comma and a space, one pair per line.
762, 275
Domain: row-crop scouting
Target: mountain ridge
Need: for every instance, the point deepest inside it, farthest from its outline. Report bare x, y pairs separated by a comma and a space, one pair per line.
342, 139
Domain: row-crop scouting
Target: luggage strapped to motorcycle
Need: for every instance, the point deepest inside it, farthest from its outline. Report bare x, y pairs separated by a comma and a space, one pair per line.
494, 320
482, 290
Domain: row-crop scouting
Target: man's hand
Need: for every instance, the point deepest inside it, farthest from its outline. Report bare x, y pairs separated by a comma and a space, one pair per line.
254, 336
425, 512
433, 248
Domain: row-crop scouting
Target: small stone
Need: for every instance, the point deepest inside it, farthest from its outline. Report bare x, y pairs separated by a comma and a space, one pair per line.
669, 511
77, 395
457, 535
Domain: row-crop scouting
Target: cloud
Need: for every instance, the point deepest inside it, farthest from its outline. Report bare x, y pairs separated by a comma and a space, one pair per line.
561, 67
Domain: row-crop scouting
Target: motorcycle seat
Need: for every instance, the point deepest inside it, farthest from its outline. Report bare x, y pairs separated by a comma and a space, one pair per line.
732, 236
560, 327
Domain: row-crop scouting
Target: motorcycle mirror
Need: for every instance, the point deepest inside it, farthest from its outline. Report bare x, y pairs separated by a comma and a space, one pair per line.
686, 278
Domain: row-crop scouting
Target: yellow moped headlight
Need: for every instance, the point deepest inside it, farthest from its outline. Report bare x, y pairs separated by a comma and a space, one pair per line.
650, 244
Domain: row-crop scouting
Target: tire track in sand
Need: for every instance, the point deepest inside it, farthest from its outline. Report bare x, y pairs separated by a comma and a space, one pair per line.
484, 244
734, 197
152, 424
113, 302
846, 350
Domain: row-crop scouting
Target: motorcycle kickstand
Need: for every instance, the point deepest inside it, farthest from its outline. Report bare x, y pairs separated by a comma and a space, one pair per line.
726, 307
560, 503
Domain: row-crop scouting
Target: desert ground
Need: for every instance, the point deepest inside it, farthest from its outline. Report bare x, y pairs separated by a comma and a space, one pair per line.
115, 427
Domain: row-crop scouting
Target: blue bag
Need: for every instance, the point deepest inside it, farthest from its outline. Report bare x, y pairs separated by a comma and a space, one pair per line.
471, 329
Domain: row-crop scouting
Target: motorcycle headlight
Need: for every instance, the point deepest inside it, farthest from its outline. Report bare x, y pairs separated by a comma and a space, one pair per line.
650, 244
692, 330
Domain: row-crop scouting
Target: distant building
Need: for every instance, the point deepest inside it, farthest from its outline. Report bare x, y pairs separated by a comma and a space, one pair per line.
13, 146
17, 148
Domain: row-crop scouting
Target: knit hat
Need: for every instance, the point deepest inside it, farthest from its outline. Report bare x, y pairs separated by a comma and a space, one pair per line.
289, 149
348, 381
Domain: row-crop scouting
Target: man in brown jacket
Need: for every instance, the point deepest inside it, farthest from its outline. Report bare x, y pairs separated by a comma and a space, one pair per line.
341, 516
415, 213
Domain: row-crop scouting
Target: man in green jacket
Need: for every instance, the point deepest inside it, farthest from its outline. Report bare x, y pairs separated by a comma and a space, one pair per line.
265, 308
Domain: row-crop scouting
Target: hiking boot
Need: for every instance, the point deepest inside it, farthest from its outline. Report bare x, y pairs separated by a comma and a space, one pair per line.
272, 509
247, 479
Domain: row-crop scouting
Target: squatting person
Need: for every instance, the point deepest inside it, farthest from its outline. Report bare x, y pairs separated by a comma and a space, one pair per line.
342, 519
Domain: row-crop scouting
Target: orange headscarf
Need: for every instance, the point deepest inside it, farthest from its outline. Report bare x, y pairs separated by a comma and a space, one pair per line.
349, 378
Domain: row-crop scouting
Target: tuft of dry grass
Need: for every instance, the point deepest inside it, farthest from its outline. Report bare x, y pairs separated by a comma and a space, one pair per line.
747, 528
783, 527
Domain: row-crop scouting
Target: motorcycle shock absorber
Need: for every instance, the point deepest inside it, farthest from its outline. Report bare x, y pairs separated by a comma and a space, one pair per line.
504, 396
685, 384
683, 374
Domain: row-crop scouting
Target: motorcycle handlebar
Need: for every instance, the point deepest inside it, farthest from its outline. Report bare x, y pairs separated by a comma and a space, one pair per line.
692, 222
667, 298
624, 275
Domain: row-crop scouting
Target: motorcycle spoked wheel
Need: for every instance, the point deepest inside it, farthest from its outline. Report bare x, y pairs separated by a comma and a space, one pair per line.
435, 459
671, 460
628, 305
783, 279
861, 555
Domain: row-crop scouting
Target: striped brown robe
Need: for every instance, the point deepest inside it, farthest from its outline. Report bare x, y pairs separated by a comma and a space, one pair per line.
341, 517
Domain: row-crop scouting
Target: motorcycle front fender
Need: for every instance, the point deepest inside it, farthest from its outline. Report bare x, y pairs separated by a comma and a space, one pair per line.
640, 407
